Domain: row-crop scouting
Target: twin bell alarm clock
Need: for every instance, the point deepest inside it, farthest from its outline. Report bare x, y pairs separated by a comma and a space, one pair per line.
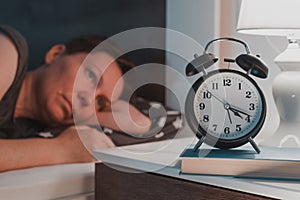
225, 108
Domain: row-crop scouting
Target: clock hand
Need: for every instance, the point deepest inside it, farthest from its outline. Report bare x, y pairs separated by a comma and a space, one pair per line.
227, 106
236, 113
218, 98
234, 109
229, 116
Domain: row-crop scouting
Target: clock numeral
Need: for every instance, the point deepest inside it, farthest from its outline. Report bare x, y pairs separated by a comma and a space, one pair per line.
215, 127
248, 118
201, 106
206, 95
206, 118
240, 86
227, 130
248, 94
215, 86
251, 106
238, 128
227, 82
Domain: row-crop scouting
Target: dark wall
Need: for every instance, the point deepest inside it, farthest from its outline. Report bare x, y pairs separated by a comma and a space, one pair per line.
47, 22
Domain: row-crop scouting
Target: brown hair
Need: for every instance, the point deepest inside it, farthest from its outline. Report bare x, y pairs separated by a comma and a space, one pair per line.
87, 43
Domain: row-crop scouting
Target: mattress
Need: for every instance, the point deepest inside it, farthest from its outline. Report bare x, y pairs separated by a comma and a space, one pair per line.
67, 181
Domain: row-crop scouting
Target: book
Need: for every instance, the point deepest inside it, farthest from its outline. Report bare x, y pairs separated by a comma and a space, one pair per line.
271, 163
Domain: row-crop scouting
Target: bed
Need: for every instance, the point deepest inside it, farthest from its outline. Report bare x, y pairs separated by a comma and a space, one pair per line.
68, 181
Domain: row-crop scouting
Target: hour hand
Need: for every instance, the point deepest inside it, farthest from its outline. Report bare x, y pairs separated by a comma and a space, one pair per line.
238, 111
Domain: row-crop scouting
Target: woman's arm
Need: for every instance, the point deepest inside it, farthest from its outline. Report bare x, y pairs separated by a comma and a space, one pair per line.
66, 148
8, 63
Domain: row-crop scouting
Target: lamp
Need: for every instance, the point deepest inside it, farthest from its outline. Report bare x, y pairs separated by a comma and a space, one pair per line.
279, 18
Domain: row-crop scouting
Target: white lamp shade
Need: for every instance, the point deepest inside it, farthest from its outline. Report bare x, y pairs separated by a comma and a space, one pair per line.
270, 17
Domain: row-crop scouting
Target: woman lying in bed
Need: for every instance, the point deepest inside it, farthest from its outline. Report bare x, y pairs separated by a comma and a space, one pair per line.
43, 102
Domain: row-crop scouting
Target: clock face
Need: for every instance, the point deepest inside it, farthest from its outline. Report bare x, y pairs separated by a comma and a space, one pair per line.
227, 105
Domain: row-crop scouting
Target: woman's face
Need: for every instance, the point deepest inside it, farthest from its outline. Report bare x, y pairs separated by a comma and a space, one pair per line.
72, 86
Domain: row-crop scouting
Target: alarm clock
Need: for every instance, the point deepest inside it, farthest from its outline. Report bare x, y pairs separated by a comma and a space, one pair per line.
225, 108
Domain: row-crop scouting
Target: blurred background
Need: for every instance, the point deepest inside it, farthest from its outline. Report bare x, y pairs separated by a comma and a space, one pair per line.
48, 22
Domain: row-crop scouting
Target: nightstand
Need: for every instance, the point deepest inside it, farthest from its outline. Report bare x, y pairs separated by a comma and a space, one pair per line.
159, 178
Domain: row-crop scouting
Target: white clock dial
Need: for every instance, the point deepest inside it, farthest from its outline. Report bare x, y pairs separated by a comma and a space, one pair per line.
227, 105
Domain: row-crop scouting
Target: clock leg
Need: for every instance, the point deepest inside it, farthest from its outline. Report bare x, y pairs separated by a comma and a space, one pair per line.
254, 145
199, 143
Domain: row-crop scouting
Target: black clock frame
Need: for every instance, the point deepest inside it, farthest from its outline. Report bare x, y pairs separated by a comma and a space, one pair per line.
201, 132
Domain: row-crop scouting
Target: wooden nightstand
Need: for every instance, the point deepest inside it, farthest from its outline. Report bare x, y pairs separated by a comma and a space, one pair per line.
160, 178
112, 184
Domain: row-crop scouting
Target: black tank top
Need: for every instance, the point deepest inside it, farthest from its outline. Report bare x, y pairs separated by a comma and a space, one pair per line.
10, 127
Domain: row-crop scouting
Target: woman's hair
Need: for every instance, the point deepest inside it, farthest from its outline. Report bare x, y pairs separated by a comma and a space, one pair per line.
87, 43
